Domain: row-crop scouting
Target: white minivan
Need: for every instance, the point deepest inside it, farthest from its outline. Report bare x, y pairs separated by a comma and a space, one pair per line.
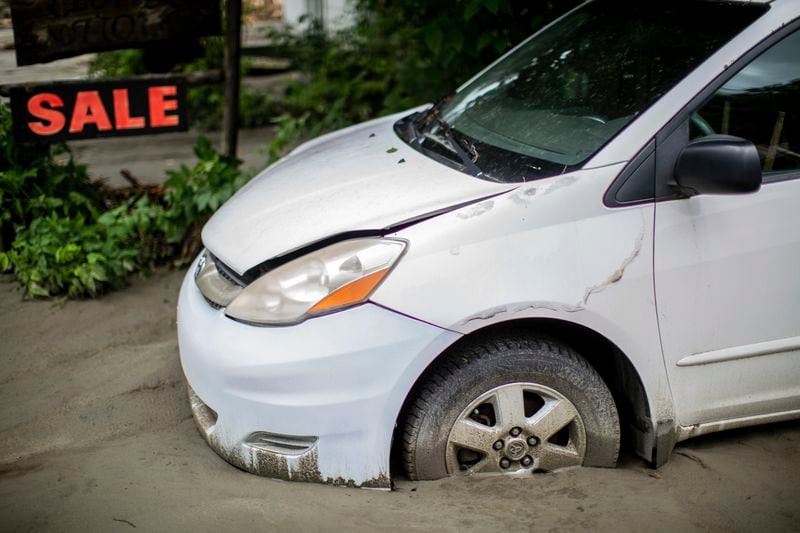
595, 240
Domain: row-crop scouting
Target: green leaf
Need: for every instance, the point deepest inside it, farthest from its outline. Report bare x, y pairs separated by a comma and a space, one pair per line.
203, 200
93, 258
203, 148
36, 290
456, 40
472, 9
501, 44
98, 272
433, 38
484, 40
492, 5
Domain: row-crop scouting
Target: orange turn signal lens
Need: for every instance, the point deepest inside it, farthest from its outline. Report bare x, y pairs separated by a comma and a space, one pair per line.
354, 292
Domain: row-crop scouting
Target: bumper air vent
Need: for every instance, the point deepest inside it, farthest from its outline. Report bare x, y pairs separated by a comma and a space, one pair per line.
281, 444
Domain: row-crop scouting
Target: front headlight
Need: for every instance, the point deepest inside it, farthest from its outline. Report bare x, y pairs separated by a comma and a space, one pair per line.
330, 279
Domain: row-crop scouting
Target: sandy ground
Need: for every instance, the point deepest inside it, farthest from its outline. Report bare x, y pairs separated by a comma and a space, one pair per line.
96, 435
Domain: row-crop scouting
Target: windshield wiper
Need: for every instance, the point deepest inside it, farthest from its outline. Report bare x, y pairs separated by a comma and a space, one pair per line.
469, 162
444, 138
422, 128
429, 117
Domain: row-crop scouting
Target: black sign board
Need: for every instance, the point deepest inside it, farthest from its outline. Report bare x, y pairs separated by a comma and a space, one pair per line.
45, 30
100, 109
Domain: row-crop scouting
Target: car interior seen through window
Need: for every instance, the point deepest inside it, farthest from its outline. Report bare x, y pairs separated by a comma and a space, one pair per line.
561, 96
761, 104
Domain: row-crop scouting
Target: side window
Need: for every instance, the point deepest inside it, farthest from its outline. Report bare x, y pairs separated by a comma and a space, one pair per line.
761, 103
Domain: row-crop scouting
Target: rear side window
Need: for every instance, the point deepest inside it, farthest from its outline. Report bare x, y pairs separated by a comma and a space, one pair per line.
761, 104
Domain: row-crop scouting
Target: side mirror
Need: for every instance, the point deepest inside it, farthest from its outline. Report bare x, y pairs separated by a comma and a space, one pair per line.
718, 164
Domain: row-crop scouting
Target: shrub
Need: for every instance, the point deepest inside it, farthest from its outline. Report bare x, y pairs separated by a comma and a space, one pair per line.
36, 180
193, 194
59, 254
80, 240
402, 54
117, 64
205, 102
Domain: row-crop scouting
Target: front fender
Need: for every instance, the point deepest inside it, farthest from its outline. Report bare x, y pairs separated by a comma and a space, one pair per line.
548, 249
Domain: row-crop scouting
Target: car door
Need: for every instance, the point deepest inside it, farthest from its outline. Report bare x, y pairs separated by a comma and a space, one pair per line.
727, 268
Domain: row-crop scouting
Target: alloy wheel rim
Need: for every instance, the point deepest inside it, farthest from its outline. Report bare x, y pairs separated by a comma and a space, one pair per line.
516, 428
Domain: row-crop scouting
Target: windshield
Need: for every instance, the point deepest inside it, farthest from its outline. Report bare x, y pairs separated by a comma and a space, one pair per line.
558, 98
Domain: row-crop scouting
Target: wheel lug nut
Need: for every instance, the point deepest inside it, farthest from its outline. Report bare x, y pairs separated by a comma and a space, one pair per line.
498, 445
504, 463
526, 461
515, 431
533, 441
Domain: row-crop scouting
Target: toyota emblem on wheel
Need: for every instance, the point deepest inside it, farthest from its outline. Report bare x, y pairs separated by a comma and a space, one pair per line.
516, 449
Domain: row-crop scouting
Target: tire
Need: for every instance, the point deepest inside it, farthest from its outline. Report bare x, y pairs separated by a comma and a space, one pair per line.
480, 381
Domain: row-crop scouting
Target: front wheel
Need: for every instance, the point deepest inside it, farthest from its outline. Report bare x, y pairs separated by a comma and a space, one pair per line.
510, 404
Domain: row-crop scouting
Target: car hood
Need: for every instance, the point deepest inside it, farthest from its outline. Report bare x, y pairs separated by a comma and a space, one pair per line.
361, 178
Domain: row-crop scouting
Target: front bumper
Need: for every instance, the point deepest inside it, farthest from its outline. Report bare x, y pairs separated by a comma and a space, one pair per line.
337, 381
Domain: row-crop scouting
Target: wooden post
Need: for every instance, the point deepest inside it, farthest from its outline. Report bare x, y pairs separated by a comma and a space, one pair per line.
772, 151
233, 34
726, 118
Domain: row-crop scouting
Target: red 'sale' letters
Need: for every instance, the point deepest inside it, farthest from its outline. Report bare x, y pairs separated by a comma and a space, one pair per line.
52, 120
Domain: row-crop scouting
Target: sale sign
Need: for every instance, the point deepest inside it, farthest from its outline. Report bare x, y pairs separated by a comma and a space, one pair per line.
100, 109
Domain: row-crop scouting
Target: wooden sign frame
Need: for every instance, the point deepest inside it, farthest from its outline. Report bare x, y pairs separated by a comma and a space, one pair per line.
45, 30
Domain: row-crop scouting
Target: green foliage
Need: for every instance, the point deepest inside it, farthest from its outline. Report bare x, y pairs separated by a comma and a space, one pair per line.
193, 194
39, 179
256, 109
177, 56
402, 54
205, 103
206, 106
59, 254
117, 64
68, 240
288, 130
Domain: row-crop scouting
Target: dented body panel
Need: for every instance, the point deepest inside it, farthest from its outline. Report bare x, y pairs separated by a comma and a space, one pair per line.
573, 260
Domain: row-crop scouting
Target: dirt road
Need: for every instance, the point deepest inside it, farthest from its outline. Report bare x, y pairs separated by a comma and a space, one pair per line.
96, 435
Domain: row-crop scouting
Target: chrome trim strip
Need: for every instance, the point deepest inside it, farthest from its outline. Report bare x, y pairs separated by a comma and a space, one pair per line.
687, 432
742, 352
